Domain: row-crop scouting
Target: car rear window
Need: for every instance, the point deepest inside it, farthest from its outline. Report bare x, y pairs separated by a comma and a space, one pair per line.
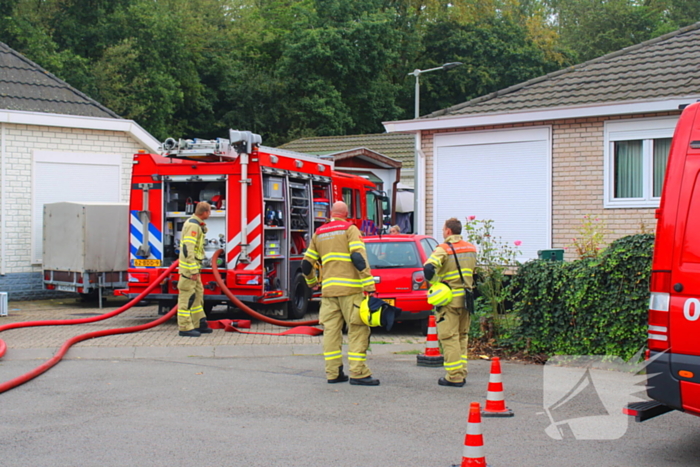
391, 255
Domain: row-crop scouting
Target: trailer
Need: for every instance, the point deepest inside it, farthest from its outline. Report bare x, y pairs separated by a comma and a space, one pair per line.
84, 247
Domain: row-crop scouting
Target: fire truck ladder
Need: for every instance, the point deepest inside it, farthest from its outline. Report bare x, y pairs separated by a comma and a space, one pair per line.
239, 145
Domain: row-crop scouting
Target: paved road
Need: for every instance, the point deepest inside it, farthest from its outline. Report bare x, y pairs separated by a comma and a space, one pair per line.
267, 404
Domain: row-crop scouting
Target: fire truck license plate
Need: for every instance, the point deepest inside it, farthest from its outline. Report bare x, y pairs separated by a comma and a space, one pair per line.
146, 263
390, 301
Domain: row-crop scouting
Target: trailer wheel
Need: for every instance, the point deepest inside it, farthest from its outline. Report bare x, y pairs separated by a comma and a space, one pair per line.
299, 301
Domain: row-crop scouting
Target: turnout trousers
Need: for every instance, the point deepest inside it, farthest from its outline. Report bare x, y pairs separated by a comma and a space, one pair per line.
452, 323
190, 301
334, 314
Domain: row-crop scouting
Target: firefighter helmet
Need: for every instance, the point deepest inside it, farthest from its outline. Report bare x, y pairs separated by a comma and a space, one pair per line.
376, 312
439, 294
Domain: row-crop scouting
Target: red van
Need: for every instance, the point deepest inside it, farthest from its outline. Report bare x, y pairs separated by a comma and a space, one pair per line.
674, 306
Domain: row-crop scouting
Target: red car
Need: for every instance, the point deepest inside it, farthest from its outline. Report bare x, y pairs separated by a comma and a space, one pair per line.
397, 266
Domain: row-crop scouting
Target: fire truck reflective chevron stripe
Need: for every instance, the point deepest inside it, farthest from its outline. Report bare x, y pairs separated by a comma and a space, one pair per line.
155, 239
255, 262
234, 245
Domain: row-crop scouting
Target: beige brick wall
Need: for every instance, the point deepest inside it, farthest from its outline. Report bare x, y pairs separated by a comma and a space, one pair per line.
20, 143
577, 180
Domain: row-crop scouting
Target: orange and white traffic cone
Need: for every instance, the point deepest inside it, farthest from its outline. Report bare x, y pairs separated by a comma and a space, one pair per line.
495, 402
473, 453
432, 355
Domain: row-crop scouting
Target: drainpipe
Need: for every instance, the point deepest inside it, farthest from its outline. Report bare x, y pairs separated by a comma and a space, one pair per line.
419, 188
394, 187
3, 202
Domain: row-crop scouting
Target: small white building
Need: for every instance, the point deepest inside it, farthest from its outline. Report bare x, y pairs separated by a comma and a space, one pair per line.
56, 144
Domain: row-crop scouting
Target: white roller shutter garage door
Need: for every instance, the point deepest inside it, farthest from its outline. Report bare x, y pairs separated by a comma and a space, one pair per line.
65, 176
503, 175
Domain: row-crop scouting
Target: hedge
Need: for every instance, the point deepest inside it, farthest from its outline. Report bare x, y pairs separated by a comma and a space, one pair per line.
585, 307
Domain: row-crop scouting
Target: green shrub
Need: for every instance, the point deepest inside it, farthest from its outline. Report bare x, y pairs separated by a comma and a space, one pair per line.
586, 307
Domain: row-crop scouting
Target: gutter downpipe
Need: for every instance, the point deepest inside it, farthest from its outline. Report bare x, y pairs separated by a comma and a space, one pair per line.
3, 202
394, 187
418, 178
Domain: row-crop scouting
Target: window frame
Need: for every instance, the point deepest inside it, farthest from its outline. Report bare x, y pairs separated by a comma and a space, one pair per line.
349, 201
428, 242
646, 130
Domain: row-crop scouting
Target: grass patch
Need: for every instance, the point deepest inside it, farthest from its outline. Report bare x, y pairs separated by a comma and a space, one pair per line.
409, 352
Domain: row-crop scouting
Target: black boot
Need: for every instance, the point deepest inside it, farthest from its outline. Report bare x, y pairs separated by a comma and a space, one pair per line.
190, 333
445, 382
204, 327
341, 378
367, 381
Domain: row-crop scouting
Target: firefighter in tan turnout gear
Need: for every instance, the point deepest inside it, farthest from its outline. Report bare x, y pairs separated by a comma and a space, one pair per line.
347, 277
453, 316
191, 319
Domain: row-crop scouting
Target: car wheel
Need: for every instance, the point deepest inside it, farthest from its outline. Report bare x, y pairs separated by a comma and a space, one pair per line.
299, 301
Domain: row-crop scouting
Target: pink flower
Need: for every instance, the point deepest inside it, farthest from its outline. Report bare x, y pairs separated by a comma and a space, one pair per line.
518, 243
471, 218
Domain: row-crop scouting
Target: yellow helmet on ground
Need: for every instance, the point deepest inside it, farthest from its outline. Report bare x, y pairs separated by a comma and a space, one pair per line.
439, 294
376, 312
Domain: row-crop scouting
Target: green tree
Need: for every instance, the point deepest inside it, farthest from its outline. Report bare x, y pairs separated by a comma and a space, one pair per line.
592, 28
497, 52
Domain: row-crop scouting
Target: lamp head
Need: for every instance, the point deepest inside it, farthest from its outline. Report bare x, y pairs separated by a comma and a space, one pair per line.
449, 66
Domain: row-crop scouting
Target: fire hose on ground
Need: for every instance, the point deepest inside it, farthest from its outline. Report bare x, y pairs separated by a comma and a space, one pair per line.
302, 327
298, 327
90, 335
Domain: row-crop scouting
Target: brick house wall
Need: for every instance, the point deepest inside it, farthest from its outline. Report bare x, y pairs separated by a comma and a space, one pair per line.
577, 179
23, 279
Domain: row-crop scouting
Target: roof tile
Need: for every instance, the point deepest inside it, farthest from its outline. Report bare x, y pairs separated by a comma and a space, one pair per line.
25, 86
666, 66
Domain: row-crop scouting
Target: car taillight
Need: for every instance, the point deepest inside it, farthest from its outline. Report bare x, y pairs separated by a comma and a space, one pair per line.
248, 279
419, 282
659, 306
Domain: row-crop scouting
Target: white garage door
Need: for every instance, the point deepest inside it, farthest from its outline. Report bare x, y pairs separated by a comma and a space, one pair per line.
500, 175
77, 177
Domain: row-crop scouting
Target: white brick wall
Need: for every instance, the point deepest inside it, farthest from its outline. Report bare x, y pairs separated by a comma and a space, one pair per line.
21, 141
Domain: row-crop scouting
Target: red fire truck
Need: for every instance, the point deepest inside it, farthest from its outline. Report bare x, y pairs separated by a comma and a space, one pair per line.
266, 204
674, 308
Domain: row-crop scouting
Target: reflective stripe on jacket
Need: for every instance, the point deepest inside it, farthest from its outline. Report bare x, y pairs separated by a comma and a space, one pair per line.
332, 245
192, 246
446, 266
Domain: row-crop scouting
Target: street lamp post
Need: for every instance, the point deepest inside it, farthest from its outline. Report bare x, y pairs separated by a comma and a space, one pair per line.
416, 158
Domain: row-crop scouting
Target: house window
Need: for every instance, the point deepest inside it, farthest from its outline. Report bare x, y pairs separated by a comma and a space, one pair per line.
631, 160
636, 156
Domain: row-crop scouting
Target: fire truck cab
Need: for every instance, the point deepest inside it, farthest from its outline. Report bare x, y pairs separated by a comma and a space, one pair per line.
266, 205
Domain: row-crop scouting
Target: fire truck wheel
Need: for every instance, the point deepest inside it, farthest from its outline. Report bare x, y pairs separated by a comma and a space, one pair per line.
164, 307
208, 308
299, 303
